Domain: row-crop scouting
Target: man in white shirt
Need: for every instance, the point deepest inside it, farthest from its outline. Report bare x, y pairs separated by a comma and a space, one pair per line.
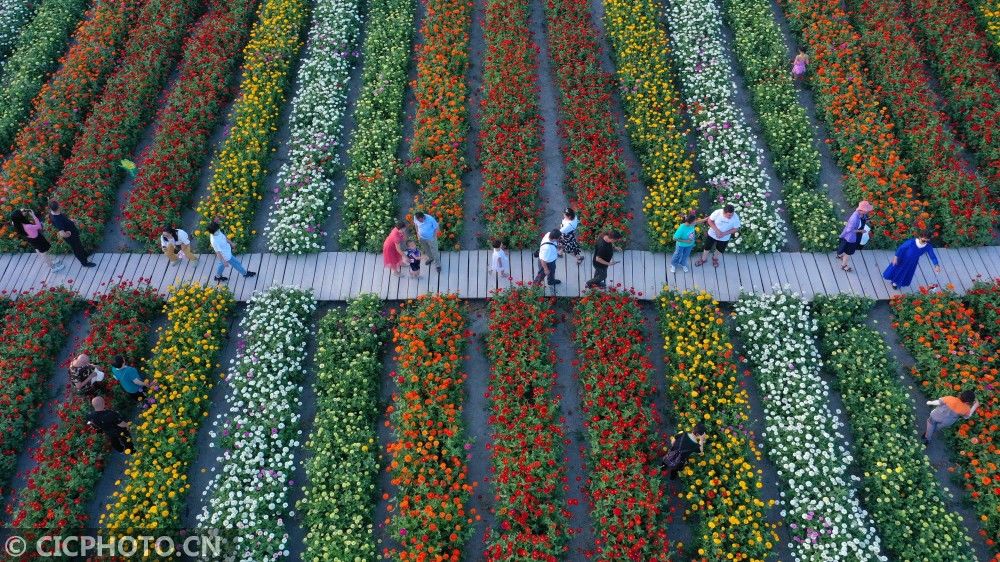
427, 233
722, 224
548, 255
224, 254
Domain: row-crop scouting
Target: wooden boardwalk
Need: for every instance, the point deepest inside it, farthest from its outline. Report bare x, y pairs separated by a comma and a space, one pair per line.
337, 276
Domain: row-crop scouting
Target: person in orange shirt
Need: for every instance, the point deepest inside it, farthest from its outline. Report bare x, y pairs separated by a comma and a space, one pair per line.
949, 410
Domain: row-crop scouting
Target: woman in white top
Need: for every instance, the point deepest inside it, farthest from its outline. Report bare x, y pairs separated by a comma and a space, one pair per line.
569, 243
499, 262
174, 239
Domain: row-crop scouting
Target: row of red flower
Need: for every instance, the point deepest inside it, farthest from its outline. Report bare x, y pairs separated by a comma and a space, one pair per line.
867, 148
34, 328
510, 127
595, 172
428, 518
970, 78
437, 159
89, 181
69, 457
957, 200
939, 330
527, 447
625, 483
60, 109
169, 166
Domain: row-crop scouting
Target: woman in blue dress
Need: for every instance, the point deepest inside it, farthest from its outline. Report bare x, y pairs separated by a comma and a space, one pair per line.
904, 263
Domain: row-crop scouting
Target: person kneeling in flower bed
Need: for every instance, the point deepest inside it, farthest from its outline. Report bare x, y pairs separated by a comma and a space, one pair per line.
682, 446
110, 423
949, 409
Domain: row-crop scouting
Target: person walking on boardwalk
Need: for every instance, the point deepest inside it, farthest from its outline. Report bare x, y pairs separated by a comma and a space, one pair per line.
684, 242
392, 248
499, 262
850, 237
174, 241
427, 237
722, 224
604, 250
568, 243
27, 225
799, 64
548, 255
904, 263
224, 253
67, 231
111, 424
949, 410
682, 446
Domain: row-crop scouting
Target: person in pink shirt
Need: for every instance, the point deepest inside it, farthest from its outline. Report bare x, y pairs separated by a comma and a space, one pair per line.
29, 228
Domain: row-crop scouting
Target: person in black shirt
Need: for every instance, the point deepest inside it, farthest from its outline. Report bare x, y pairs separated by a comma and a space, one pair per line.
682, 447
603, 251
68, 232
111, 424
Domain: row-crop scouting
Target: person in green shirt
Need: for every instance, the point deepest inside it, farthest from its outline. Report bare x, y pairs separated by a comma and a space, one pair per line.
684, 242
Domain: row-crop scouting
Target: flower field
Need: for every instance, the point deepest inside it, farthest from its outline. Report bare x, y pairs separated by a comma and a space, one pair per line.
939, 331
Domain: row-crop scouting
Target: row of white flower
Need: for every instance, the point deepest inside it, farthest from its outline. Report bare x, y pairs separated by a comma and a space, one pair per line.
730, 160
820, 502
305, 181
338, 502
260, 431
14, 14
373, 172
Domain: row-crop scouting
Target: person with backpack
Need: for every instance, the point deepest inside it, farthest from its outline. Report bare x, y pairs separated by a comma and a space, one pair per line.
548, 254
682, 446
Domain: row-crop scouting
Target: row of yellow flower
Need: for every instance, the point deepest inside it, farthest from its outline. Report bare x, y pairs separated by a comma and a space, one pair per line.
729, 519
151, 495
238, 174
653, 115
989, 10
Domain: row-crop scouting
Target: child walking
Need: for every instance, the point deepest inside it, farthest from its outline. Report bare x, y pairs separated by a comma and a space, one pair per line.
413, 257
499, 263
799, 64
684, 242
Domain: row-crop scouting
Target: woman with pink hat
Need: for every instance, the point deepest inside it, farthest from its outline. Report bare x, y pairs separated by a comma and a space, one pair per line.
850, 237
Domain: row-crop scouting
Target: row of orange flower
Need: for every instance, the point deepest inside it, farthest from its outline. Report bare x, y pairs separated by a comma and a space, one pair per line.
625, 480
428, 517
527, 446
69, 458
957, 200
60, 109
437, 159
169, 166
867, 147
950, 356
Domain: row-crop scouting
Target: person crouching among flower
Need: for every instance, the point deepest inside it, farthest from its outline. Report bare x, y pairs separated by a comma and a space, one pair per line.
949, 410
682, 446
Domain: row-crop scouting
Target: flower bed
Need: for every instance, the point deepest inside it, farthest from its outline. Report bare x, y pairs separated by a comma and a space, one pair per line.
437, 159
34, 328
595, 172
951, 356
510, 132
373, 173
722, 484
655, 123
957, 200
259, 433
984, 299
864, 143
989, 15
60, 109
14, 16
898, 484
88, 185
169, 166
969, 77
821, 509
527, 446
625, 483
34, 55
731, 162
239, 170
69, 458
305, 181
339, 499
428, 517
153, 490
761, 51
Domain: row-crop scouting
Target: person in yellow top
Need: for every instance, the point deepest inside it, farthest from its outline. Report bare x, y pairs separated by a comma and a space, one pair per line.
949, 410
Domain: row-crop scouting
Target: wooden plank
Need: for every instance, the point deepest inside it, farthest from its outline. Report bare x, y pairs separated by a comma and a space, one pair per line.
324, 262
360, 280
29, 277
333, 286
248, 287
660, 273
648, 275
817, 276
980, 263
765, 265
792, 269
454, 271
761, 282
485, 280
517, 266
811, 274
461, 259
829, 268
743, 272
862, 272
571, 276
97, 276
953, 270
